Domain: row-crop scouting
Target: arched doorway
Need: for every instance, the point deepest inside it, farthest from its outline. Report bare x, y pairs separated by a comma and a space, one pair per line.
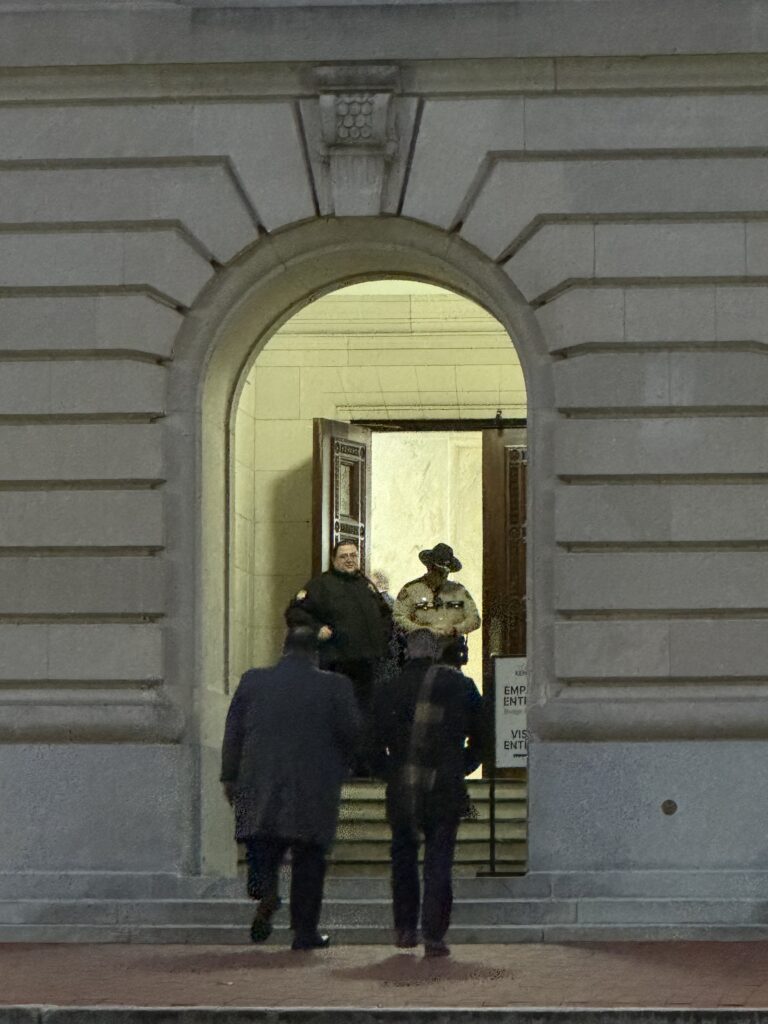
391, 412
227, 329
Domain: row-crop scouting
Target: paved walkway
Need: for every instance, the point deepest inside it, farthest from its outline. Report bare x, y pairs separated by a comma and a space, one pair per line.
630, 974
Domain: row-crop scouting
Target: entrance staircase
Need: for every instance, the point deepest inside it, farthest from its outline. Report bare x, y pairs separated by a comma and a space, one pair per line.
488, 908
362, 840
546, 908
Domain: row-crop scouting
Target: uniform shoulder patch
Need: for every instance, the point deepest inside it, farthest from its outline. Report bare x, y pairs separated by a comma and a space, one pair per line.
301, 595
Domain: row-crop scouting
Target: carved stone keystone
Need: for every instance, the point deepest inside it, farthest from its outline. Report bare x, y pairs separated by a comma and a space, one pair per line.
358, 136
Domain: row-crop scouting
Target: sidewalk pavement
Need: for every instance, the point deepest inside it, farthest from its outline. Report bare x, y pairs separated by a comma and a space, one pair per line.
677, 975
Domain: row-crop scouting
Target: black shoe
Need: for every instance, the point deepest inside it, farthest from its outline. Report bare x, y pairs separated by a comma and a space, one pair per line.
406, 938
435, 949
261, 928
317, 941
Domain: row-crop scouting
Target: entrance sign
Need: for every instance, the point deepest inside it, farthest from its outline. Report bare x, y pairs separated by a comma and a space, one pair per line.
511, 688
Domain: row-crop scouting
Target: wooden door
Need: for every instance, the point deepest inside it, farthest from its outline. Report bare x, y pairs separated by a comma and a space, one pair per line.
341, 490
505, 461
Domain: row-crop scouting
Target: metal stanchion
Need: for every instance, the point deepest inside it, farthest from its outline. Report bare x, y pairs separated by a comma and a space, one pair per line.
492, 823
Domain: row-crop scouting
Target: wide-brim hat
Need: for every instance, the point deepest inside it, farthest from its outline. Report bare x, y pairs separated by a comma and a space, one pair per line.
441, 555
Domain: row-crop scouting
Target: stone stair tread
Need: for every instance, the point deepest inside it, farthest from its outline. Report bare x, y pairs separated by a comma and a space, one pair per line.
472, 823
104, 919
244, 901
377, 935
363, 836
662, 885
370, 819
458, 899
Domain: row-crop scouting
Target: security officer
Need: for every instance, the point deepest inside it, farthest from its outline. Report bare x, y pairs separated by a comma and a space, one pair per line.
433, 601
353, 623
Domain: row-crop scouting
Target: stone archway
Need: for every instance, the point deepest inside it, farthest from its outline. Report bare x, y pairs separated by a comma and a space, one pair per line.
229, 323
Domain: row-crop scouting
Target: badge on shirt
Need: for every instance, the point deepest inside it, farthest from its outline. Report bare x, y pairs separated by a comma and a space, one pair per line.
301, 595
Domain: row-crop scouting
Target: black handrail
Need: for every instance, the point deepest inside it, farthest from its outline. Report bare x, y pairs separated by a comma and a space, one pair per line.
492, 823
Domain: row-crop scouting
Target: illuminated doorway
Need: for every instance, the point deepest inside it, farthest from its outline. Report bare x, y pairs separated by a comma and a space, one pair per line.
432, 380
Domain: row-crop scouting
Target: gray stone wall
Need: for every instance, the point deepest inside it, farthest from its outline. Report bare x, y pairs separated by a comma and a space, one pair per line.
623, 203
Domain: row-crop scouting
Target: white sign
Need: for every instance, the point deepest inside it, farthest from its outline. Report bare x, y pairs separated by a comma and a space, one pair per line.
511, 685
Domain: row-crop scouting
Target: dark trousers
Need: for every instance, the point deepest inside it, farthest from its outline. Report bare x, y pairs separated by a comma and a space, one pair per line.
265, 854
439, 844
364, 673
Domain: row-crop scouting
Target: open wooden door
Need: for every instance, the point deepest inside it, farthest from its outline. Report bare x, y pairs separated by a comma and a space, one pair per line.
505, 461
341, 490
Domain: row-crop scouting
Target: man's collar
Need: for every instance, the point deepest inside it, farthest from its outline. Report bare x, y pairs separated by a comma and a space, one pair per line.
345, 575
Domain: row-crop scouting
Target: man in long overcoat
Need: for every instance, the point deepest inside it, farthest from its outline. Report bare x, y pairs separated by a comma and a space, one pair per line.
428, 727
291, 735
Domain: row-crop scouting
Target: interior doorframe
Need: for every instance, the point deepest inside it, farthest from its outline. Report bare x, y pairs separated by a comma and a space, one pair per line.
497, 423
437, 425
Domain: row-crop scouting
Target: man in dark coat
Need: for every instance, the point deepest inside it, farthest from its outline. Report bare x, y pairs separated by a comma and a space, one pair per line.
290, 738
422, 723
353, 621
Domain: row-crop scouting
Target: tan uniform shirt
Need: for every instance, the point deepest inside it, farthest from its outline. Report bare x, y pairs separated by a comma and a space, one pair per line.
449, 612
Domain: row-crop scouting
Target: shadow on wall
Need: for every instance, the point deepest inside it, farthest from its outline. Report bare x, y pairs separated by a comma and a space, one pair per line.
283, 564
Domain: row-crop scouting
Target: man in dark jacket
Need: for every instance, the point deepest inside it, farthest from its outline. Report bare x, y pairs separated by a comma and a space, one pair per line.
290, 738
353, 621
422, 722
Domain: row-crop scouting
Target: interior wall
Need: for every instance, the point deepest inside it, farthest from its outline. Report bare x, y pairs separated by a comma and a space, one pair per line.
427, 488
243, 564
379, 350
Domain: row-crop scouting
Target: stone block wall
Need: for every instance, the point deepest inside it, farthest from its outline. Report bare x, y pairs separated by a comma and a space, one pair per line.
613, 179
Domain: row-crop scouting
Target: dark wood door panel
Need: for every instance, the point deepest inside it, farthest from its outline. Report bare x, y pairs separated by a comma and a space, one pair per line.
505, 466
341, 490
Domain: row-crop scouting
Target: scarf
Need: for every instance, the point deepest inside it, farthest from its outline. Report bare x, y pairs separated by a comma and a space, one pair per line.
418, 775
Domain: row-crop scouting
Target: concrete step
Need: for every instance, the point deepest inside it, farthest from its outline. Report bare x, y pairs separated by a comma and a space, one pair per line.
659, 884
336, 913
35, 885
640, 885
479, 789
600, 894
341, 870
374, 829
367, 918
476, 851
237, 934
370, 810
377, 911
473, 888
363, 836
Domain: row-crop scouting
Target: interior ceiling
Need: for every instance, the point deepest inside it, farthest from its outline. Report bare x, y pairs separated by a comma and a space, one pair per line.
392, 287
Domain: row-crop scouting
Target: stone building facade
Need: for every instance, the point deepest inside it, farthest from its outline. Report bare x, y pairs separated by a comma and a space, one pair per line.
178, 179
